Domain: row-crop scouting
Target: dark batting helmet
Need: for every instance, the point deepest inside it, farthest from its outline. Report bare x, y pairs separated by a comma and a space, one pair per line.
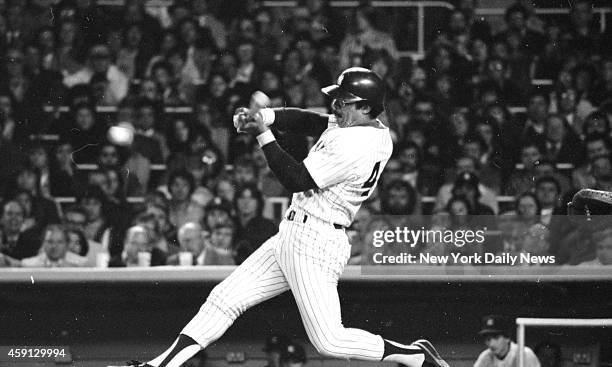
359, 84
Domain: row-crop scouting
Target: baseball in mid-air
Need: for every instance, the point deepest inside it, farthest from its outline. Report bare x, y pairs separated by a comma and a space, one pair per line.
121, 134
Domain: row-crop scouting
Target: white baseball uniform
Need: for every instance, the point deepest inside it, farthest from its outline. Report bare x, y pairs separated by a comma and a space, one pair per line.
310, 250
488, 359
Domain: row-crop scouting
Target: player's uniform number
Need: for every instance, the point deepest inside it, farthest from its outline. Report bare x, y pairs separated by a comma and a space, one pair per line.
371, 180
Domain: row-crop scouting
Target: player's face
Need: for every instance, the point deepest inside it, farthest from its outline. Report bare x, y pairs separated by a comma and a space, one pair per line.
347, 114
498, 344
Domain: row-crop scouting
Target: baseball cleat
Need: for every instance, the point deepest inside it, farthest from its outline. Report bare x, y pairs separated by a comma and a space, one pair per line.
431, 354
134, 363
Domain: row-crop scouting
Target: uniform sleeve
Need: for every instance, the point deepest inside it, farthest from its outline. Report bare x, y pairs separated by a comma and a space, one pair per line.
531, 360
300, 121
482, 360
334, 162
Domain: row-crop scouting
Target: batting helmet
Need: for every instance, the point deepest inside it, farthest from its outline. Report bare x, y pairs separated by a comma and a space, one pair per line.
358, 84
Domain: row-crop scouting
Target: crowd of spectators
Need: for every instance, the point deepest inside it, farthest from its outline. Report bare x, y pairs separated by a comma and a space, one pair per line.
453, 117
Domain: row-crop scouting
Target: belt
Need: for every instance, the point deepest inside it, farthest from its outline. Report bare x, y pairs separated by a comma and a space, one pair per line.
291, 216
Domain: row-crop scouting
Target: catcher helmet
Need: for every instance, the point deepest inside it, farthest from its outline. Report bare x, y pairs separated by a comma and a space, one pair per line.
358, 84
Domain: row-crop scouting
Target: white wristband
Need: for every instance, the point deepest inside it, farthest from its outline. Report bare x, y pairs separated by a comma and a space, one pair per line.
265, 138
267, 115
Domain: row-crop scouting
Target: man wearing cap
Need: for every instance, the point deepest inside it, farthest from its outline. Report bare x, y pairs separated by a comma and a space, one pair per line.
501, 350
308, 254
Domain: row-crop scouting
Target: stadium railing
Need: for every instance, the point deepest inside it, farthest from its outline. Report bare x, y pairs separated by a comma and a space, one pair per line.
522, 323
352, 273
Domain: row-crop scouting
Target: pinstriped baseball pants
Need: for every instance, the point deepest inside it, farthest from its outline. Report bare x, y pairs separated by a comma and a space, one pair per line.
306, 258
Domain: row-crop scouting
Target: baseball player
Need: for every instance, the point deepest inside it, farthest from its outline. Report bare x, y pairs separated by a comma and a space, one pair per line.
311, 248
501, 350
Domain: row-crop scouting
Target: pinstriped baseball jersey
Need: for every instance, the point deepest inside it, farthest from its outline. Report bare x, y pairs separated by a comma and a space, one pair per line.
345, 163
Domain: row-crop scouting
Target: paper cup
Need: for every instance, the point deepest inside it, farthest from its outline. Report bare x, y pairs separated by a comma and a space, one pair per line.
102, 260
144, 259
185, 258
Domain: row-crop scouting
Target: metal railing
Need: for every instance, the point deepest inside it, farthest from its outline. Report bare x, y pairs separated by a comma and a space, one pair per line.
522, 323
601, 12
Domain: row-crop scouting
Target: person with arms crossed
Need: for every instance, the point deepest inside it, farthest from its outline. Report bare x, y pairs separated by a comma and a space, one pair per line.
310, 250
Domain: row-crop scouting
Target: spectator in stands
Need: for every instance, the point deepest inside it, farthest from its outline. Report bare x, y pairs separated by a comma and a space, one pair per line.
596, 145
293, 355
436, 134
44, 210
498, 74
548, 193
466, 164
84, 133
398, 198
534, 127
15, 80
92, 202
460, 212
495, 333
180, 134
198, 66
549, 354
252, 228
25, 199
75, 220
12, 126
220, 249
15, 243
54, 252
138, 243
117, 81
474, 146
77, 243
166, 82
602, 88
597, 122
267, 181
181, 185
566, 101
545, 168
62, 170
560, 142
39, 160
133, 56
602, 239
364, 35
467, 185
191, 238
224, 188
219, 210
425, 179
245, 171
210, 127
147, 140
602, 172
582, 37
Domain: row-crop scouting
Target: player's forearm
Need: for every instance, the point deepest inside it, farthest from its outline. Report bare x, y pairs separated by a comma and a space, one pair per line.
299, 121
293, 175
